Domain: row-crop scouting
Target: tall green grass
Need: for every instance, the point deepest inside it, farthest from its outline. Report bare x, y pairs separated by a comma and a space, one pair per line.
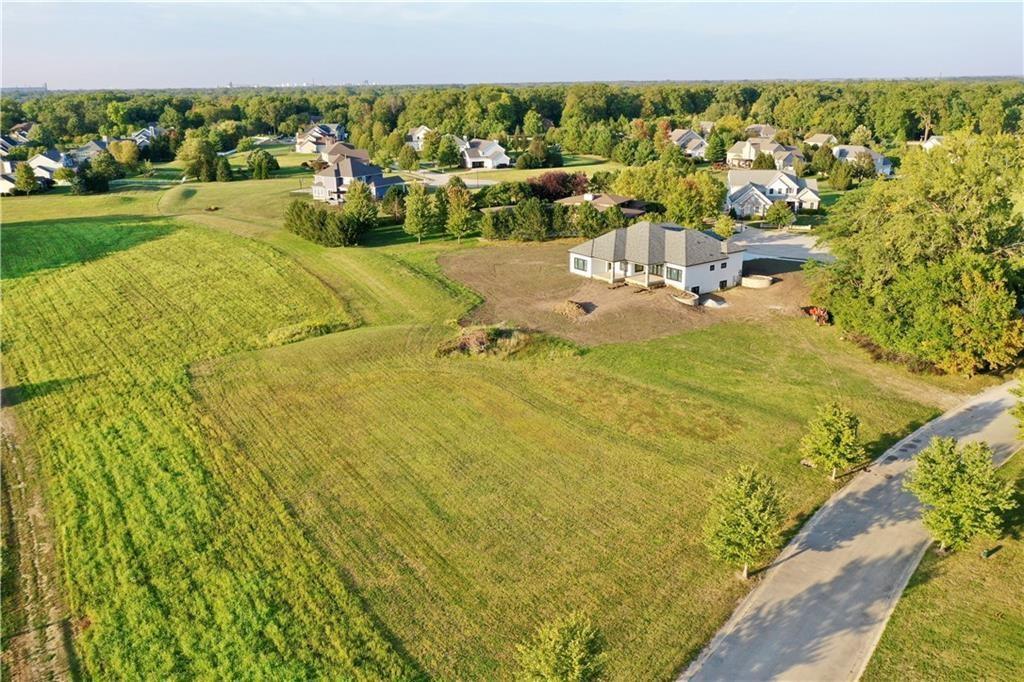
179, 559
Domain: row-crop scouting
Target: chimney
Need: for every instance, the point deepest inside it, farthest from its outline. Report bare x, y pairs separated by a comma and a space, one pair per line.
589, 196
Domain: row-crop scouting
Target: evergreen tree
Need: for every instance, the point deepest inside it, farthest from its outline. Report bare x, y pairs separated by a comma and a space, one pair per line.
224, 170
613, 218
962, 495
764, 161
745, 518
394, 202
587, 220
823, 159
715, 152
360, 211
841, 177
530, 221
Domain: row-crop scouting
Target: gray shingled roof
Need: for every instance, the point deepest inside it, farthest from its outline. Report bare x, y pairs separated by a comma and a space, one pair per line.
650, 243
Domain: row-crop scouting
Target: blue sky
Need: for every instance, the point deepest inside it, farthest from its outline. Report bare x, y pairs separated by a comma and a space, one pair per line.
132, 45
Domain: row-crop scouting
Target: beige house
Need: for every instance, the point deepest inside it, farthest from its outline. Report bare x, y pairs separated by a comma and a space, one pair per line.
752, 192
743, 153
820, 139
631, 208
692, 144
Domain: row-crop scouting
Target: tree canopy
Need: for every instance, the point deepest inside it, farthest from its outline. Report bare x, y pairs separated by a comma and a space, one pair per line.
744, 519
569, 649
927, 264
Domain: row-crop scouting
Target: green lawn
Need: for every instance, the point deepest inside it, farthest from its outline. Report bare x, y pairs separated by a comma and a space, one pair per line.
573, 163
962, 616
227, 503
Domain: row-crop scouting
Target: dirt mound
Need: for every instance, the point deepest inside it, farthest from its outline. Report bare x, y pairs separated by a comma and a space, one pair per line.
571, 309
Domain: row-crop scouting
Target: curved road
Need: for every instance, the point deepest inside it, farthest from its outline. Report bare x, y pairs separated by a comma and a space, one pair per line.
822, 606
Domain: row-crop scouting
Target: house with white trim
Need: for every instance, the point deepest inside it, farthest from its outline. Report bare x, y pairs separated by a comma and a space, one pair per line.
319, 137
690, 142
761, 130
46, 164
849, 153
752, 192
342, 150
145, 136
743, 153
660, 254
820, 140
414, 138
477, 153
331, 183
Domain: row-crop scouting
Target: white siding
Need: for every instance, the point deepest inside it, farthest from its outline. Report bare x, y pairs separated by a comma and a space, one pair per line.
710, 280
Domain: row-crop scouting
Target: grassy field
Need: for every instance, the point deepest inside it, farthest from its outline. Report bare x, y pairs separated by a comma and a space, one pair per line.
962, 616
178, 560
352, 505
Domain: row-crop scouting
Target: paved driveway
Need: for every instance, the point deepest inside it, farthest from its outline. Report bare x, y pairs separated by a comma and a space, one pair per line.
824, 603
439, 179
782, 244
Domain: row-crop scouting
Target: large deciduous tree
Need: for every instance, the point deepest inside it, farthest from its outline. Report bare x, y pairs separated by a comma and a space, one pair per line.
744, 519
928, 264
962, 495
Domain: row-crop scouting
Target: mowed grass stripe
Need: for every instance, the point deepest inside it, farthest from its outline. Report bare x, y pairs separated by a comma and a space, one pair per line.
180, 561
471, 499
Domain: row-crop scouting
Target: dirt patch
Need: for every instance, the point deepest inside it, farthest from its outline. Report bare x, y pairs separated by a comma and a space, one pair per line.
528, 285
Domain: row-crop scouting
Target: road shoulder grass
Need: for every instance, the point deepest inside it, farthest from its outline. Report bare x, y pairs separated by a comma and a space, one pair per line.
961, 616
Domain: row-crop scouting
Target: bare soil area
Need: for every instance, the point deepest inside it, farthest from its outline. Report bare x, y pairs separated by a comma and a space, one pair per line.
528, 284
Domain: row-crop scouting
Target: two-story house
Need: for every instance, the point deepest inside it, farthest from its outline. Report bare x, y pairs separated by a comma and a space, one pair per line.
752, 192
331, 183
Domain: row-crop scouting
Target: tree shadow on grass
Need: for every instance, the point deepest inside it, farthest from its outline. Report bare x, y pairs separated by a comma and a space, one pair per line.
30, 247
16, 395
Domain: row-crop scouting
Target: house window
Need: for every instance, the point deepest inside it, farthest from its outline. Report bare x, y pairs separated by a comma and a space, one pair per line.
722, 284
722, 266
608, 267
579, 264
673, 274
712, 266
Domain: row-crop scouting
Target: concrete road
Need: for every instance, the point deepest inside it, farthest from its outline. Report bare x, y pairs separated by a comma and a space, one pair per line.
800, 246
822, 606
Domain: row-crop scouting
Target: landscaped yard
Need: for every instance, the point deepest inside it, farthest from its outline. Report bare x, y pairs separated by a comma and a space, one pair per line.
248, 503
961, 616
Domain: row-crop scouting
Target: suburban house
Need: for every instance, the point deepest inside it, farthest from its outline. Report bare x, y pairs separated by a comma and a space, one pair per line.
416, 136
692, 144
761, 130
743, 153
20, 132
477, 153
344, 150
850, 152
319, 137
6, 183
143, 137
46, 164
820, 139
631, 208
89, 151
331, 183
751, 192
6, 145
658, 254
706, 127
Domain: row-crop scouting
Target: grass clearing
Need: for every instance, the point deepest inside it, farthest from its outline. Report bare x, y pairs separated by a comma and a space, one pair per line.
178, 560
961, 616
513, 491
351, 504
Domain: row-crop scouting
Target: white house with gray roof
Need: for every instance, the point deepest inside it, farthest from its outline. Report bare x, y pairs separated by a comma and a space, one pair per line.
743, 153
660, 254
690, 142
477, 153
752, 192
849, 153
414, 138
331, 183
